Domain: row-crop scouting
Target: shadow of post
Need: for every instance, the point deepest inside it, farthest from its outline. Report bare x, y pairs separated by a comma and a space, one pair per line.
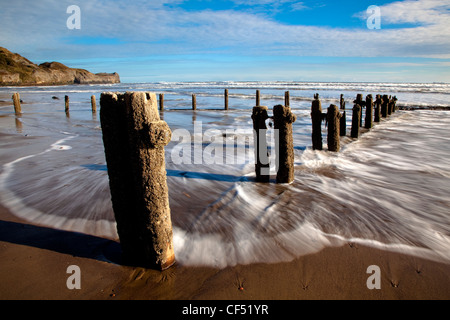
66, 242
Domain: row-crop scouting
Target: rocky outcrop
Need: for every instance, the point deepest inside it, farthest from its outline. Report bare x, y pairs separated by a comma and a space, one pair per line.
16, 70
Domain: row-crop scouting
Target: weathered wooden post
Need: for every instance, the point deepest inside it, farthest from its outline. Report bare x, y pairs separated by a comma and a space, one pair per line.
161, 101
384, 106
226, 99
342, 102
343, 124
287, 99
316, 118
93, 104
283, 119
359, 101
355, 121
369, 112
66, 103
134, 138
377, 116
258, 98
333, 119
394, 104
389, 105
262, 165
16, 102
194, 102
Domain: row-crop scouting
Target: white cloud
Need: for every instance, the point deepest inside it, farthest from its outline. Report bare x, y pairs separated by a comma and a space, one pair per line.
154, 29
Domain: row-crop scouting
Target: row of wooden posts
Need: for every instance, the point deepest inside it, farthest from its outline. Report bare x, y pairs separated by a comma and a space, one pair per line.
226, 96
283, 119
382, 107
18, 108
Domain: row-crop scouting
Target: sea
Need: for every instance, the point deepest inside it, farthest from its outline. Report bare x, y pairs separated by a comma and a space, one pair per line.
388, 189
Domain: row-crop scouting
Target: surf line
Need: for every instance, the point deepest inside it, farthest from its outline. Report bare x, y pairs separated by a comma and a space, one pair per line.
9, 199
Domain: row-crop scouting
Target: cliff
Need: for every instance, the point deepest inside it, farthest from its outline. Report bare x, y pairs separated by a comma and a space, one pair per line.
16, 70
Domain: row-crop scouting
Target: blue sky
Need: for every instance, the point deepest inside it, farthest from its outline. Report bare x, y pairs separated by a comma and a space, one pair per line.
201, 40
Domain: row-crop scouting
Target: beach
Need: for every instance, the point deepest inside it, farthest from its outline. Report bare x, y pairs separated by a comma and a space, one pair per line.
35, 269
381, 201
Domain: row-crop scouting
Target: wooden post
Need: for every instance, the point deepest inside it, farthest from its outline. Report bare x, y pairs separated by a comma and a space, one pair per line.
194, 102
343, 122
93, 104
286, 99
355, 121
262, 165
384, 106
377, 116
333, 119
134, 138
258, 98
226, 99
343, 125
359, 101
16, 102
283, 119
342, 102
369, 112
394, 104
66, 101
316, 118
161, 102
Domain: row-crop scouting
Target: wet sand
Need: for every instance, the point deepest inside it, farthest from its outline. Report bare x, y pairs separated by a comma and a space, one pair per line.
34, 262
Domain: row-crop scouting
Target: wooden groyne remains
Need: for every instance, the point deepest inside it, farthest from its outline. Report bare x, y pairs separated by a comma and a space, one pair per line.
134, 137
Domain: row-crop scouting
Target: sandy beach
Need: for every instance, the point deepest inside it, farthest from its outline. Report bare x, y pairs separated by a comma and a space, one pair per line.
34, 262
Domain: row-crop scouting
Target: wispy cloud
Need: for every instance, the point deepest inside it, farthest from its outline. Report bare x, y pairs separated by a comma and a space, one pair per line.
126, 29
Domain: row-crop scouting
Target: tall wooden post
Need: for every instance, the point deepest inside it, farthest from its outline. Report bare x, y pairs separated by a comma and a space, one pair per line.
283, 119
93, 104
262, 165
66, 104
384, 106
258, 98
369, 112
316, 118
287, 99
377, 116
394, 104
343, 124
194, 102
134, 138
342, 102
161, 101
359, 101
16, 102
226, 99
355, 121
333, 119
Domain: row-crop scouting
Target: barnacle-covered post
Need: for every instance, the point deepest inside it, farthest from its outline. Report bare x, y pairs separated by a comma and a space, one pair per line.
134, 138
283, 119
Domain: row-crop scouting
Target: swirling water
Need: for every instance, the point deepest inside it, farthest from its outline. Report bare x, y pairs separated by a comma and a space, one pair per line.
388, 189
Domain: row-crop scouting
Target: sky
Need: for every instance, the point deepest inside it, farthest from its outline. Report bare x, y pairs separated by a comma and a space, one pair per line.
236, 40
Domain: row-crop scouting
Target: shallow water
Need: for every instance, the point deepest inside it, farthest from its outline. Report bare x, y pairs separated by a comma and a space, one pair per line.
388, 189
